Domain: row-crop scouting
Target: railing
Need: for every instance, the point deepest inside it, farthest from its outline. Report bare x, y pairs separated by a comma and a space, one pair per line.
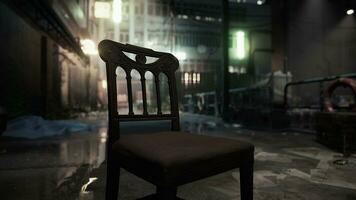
267, 92
321, 82
269, 100
302, 115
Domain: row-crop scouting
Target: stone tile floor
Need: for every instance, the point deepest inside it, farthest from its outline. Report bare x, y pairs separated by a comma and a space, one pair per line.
288, 166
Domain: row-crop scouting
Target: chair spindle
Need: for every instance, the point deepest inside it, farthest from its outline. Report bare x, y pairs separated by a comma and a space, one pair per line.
129, 92
158, 95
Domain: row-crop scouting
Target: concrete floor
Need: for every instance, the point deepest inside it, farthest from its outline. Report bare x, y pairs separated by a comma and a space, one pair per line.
288, 166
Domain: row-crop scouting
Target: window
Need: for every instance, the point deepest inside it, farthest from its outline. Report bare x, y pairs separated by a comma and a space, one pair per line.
150, 9
137, 9
186, 78
165, 11
158, 10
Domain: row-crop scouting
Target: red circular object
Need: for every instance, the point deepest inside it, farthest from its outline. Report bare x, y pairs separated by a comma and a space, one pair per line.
345, 82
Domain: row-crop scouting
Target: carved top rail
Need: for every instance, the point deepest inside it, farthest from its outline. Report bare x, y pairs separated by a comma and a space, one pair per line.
114, 55
113, 52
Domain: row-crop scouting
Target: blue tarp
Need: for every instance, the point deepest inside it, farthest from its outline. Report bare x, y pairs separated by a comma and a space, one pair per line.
33, 127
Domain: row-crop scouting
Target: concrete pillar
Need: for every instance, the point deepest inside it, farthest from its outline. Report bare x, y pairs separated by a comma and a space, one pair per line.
225, 66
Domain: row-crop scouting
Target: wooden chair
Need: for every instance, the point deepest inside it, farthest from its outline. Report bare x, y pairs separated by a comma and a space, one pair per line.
165, 159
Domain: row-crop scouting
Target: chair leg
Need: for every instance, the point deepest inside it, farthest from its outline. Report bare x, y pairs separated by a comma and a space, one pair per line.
246, 180
166, 193
112, 180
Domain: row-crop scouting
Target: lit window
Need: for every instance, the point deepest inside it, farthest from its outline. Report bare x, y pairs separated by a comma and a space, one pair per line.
186, 78
102, 9
194, 78
198, 77
122, 97
231, 69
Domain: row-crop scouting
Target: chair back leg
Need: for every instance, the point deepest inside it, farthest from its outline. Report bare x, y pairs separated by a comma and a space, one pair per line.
112, 179
246, 180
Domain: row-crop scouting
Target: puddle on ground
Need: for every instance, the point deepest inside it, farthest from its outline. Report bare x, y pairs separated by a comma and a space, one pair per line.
51, 168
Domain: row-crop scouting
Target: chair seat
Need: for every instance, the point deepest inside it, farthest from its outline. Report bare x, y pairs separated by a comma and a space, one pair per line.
175, 158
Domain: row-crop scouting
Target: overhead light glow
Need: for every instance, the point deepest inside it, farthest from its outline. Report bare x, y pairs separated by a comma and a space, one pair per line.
88, 47
116, 11
102, 9
259, 2
240, 45
350, 11
181, 55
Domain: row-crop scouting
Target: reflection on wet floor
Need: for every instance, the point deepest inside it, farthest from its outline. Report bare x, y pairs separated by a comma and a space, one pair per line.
51, 168
58, 167
73, 167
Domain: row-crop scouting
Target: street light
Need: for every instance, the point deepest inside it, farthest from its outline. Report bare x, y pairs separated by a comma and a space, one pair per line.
350, 11
259, 2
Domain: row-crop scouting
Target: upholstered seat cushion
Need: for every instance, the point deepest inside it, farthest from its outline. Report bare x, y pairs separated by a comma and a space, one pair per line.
175, 158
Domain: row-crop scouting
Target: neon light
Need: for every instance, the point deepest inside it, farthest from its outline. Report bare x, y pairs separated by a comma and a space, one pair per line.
240, 45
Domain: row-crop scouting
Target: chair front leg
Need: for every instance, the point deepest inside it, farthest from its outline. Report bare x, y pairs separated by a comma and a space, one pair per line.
112, 179
166, 193
246, 180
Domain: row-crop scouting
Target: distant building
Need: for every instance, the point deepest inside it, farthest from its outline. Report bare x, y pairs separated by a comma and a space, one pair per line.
190, 30
43, 68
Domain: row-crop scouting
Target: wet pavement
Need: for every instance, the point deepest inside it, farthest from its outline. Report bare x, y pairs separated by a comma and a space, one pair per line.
289, 165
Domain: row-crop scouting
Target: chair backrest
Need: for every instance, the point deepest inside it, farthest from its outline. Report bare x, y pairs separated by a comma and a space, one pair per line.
113, 54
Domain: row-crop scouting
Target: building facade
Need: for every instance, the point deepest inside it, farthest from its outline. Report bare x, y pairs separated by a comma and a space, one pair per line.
43, 68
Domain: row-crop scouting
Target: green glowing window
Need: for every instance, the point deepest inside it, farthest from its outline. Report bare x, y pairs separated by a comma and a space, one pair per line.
240, 45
